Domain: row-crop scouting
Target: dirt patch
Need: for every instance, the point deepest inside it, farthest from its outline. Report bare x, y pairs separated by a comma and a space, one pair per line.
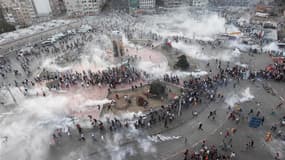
127, 100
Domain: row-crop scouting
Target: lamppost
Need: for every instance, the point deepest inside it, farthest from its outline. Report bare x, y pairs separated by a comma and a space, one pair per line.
180, 106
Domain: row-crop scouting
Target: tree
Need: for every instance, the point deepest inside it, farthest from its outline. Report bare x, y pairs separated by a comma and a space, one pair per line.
182, 63
157, 89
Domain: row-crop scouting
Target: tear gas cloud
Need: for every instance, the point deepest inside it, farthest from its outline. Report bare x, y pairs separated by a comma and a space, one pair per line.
197, 52
94, 57
240, 97
185, 24
119, 152
271, 47
96, 102
193, 26
157, 71
123, 116
49, 63
24, 127
238, 45
33, 121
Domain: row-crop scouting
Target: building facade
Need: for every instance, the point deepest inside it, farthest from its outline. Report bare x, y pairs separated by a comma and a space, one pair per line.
19, 12
147, 4
75, 8
4, 26
198, 3
10, 15
229, 2
123, 5
57, 7
173, 3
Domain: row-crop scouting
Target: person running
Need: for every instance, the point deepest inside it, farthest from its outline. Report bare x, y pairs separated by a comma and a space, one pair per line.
200, 126
210, 114
82, 138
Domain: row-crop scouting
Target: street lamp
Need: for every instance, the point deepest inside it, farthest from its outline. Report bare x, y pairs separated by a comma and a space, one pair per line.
180, 106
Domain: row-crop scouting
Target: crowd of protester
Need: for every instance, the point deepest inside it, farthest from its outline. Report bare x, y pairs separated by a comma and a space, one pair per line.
110, 77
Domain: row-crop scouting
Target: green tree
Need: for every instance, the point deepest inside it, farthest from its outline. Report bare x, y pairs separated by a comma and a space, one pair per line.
182, 63
157, 89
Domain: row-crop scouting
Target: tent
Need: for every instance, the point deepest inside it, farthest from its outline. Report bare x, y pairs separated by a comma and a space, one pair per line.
255, 122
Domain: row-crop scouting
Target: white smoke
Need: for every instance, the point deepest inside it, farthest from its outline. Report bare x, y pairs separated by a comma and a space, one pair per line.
25, 127
96, 60
193, 51
159, 70
244, 19
186, 24
6, 97
240, 97
238, 45
126, 116
241, 64
196, 51
116, 151
31, 124
96, 102
97, 55
49, 64
119, 146
146, 145
271, 47
126, 42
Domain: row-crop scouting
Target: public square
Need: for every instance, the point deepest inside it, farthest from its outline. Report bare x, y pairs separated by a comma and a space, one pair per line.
177, 84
